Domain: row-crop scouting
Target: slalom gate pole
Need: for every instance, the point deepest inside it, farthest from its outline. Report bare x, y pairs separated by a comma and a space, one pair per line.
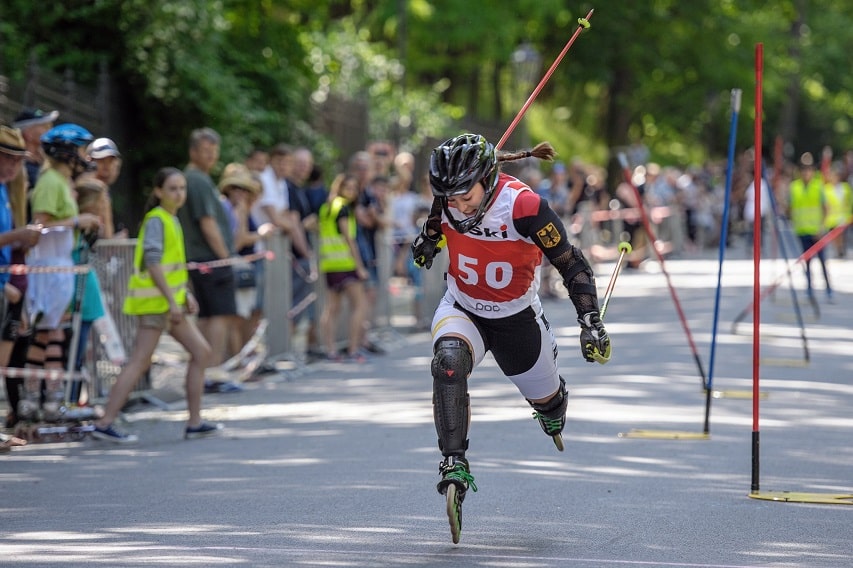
736, 97
780, 239
583, 23
809, 253
626, 171
756, 256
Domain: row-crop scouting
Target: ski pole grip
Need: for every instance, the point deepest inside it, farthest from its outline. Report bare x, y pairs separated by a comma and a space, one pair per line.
736, 93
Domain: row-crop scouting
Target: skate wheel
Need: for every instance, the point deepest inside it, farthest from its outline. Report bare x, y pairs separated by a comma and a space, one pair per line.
558, 441
454, 513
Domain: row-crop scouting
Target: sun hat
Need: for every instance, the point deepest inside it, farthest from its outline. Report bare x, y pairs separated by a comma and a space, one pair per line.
11, 141
33, 117
102, 148
238, 175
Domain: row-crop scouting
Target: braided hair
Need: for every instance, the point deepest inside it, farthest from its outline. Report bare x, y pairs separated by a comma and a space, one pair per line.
542, 151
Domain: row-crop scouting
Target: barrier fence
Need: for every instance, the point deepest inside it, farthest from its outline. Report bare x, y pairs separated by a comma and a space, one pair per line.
112, 259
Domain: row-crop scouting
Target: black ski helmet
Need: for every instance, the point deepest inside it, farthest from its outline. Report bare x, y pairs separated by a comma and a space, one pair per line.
458, 164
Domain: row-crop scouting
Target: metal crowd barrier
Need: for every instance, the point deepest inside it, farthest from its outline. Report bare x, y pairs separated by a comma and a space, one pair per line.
278, 296
605, 226
112, 260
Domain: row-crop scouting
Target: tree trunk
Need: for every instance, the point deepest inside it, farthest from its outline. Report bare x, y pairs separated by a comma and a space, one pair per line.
791, 107
617, 122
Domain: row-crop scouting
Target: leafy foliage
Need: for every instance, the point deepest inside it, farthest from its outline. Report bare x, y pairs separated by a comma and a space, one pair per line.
345, 64
657, 73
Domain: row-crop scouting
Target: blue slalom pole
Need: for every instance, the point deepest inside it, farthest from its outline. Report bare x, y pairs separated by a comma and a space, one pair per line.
736, 93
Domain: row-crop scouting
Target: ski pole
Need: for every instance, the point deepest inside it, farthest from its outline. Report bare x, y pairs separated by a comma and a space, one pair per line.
624, 248
583, 23
626, 171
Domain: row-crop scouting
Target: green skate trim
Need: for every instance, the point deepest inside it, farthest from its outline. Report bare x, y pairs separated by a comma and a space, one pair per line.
551, 426
461, 477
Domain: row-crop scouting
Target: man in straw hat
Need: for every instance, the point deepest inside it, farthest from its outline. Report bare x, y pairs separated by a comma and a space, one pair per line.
240, 189
12, 154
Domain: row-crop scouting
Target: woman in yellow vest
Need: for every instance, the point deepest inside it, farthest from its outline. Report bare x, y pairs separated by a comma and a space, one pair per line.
341, 262
807, 204
839, 205
158, 297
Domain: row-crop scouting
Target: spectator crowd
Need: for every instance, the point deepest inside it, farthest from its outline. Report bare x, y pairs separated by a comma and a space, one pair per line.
55, 185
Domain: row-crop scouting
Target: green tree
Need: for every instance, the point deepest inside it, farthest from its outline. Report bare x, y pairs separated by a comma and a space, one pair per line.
656, 73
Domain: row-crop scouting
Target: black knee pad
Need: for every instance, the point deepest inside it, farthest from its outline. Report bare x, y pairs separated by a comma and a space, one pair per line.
556, 407
452, 358
451, 365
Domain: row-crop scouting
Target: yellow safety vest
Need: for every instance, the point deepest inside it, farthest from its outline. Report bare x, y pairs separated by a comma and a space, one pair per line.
807, 214
143, 296
839, 207
335, 254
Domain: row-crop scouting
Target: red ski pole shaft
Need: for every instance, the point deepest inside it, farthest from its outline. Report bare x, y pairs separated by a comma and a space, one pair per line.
583, 23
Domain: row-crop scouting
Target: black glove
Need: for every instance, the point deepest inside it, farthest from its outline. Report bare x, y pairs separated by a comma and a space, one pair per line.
424, 248
595, 343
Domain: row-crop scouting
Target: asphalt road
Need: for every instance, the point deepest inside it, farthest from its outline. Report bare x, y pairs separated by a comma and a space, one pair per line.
337, 465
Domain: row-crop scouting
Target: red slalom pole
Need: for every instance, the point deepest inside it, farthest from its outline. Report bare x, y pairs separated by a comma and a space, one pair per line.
583, 23
756, 255
623, 160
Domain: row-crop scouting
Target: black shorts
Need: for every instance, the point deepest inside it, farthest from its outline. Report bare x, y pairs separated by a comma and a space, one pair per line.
215, 291
515, 341
337, 281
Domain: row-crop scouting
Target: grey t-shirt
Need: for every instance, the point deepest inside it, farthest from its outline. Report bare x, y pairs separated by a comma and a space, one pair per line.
152, 243
202, 201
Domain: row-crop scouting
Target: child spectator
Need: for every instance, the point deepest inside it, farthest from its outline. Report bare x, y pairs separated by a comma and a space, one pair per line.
53, 206
341, 262
158, 297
